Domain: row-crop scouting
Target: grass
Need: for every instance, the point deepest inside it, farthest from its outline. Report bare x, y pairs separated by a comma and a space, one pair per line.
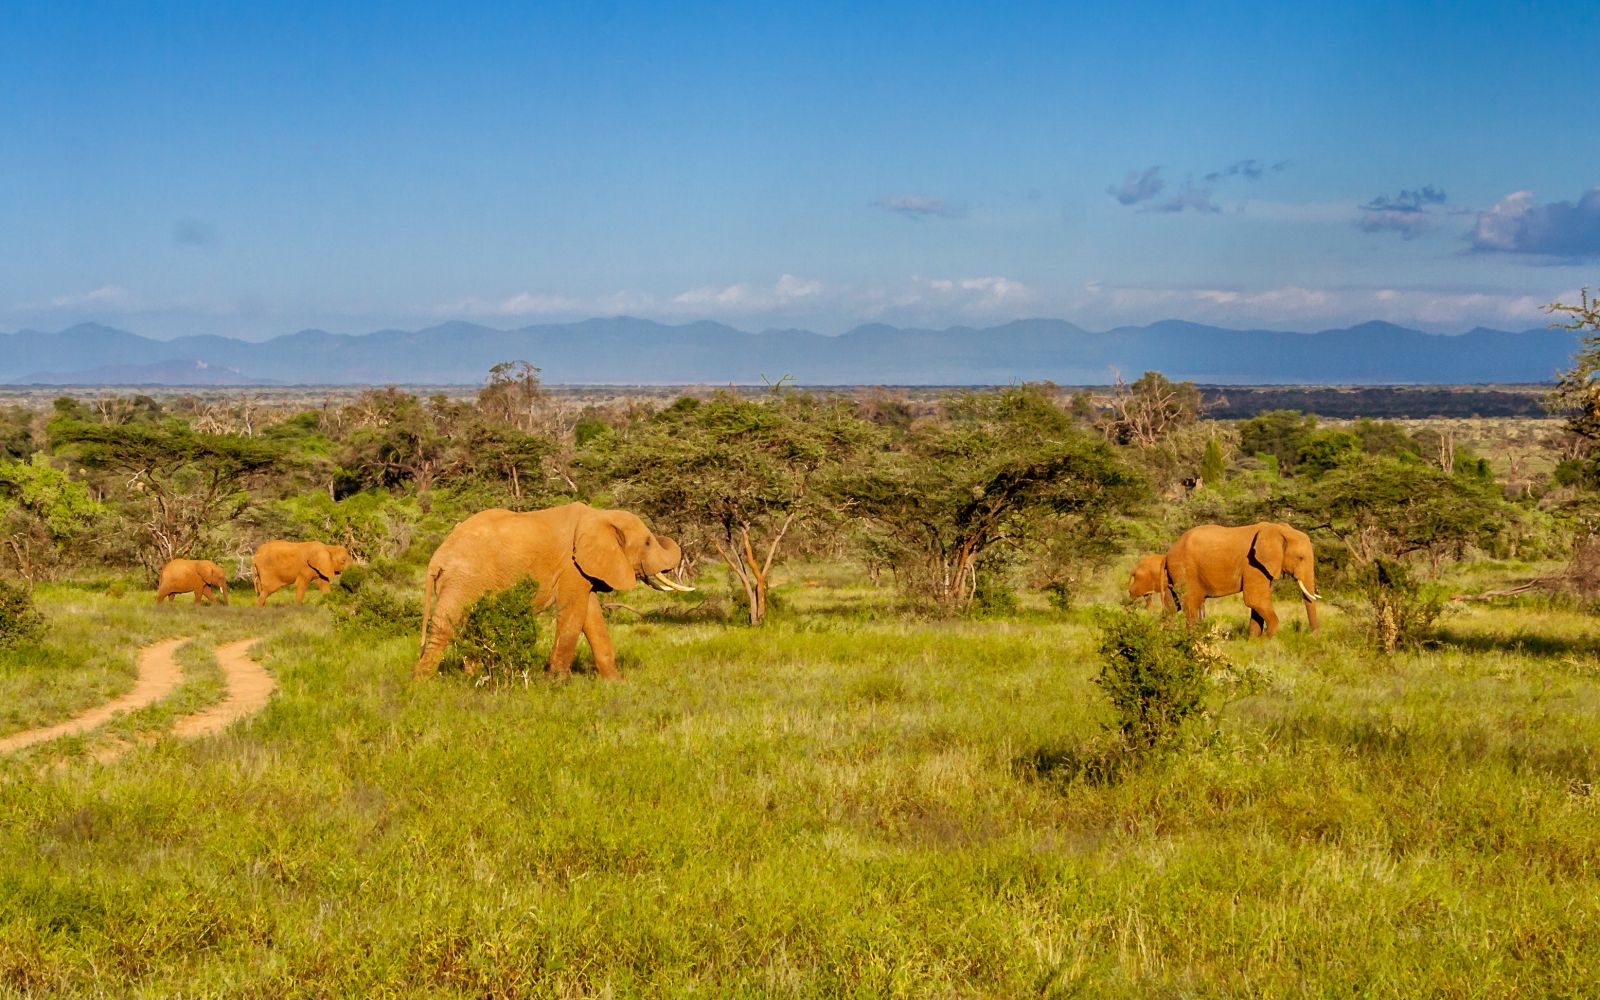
845, 803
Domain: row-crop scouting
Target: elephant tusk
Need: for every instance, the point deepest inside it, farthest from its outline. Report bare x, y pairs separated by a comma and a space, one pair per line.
1309, 595
666, 584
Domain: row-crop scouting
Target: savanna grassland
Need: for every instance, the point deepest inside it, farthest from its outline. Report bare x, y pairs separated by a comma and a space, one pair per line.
873, 754
843, 802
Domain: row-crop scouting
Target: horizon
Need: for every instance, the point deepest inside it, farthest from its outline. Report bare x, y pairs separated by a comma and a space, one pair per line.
243, 173
687, 323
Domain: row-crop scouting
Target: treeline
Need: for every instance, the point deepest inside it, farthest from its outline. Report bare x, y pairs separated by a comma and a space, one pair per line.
1382, 402
958, 501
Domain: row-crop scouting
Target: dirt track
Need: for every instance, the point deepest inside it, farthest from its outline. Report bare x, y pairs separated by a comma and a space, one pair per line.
249, 687
159, 674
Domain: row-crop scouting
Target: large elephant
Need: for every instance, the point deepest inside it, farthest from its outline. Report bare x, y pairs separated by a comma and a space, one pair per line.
1149, 579
573, 552
277, 564
201, 576
1216, 561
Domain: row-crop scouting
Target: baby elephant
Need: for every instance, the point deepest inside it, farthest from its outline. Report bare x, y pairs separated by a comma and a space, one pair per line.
1149, 581
201, 576
277, 564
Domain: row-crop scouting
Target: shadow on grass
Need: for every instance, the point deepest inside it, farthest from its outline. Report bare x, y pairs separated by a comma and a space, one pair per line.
1102, 761
1464, 746
1520, 642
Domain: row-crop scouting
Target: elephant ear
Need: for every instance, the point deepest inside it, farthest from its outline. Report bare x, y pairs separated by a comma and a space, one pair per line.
597, 547
1266, 550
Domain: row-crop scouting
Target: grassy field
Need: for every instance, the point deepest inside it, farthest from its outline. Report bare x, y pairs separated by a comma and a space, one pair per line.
844, 803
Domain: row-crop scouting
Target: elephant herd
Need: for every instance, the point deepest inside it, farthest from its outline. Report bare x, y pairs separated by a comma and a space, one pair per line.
276, 564
1216, 561
575, 552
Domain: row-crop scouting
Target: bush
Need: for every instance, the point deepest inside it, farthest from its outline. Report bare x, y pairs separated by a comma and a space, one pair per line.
1156, 672
1399, 612
498, 637
360, 603
991, 598
20, 621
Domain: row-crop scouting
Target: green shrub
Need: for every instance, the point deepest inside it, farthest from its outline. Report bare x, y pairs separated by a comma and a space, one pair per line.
497, 637
360, 602
1398, 611
1059, 595
991, 598
1156, 672
20, 621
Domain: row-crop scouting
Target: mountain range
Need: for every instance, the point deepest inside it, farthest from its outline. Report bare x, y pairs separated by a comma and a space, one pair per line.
629, 351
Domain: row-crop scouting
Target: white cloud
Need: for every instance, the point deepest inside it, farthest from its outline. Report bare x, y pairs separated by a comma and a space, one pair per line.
1519, 225
109, 298
1299, 307
521, 304
746, 298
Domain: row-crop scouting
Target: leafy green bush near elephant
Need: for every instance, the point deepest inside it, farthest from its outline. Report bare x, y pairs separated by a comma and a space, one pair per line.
20, 620
497, 640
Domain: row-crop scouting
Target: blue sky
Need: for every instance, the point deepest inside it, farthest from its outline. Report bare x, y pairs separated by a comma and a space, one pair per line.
206, 168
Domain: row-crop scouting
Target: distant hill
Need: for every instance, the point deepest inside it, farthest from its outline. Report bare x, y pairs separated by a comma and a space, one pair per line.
629, 351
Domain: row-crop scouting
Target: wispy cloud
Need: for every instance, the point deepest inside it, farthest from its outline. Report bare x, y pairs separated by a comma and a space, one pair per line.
1519, 225
920, 207
1190, 199
193, 233
1137, 187
1406, 213
520, 304
1251, 170
109, 298
746, 298
1305, 308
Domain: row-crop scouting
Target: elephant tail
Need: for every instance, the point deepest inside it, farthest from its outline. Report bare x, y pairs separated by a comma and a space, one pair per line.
430, 586
255, 577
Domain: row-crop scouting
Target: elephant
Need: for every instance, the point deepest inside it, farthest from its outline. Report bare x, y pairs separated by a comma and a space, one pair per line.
1215, 561
202, 576
1149, 579
277, 564
573, 552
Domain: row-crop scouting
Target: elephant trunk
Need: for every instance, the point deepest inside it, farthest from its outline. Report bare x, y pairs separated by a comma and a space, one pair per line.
1308, 589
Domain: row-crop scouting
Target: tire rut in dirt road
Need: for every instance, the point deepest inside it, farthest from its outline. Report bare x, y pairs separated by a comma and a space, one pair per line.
249, 687
159, 675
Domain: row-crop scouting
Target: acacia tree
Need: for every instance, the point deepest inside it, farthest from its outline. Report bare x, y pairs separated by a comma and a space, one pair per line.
1150, 410
175, 483
1386, 507
42, 511
1577, 392
394, 438
952, 489
740, 473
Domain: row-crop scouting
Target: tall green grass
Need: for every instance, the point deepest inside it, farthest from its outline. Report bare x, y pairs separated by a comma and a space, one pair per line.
843, 803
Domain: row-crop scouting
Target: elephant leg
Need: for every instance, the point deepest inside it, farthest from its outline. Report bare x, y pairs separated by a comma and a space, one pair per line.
263, 591
1258, 598
199, 595
441, 629
570, 616
300, 590
1194, 607
594, 629
322, 585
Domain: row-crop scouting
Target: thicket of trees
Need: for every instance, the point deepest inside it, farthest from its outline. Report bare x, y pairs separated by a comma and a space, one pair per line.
1019, 486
